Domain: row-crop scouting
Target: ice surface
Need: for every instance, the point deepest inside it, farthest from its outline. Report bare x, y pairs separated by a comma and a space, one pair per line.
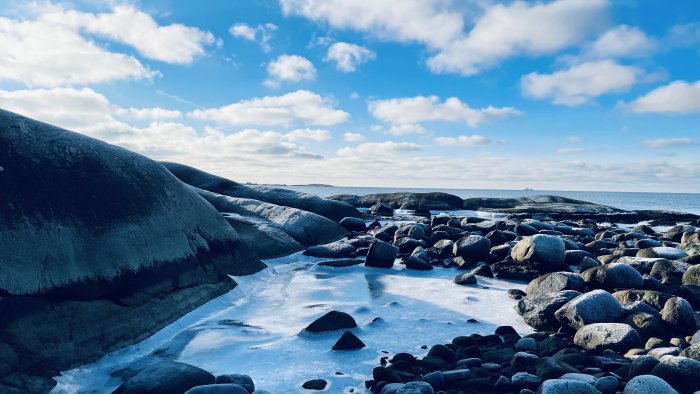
255, 328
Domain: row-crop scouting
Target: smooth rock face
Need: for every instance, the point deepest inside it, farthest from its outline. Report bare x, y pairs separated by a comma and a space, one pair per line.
597, 306
228, 388
680, 372
89, 238
664, 252
472, 246
678, 313
600, 336
544, 252
307, 228
348, 341
166, 377
648, 384
334, 210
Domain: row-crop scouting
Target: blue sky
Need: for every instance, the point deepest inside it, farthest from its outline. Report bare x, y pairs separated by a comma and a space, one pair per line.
563, 95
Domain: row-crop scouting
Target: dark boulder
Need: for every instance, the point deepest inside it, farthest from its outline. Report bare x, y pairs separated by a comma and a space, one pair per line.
348, 341
166, 377
331, 321
381, 255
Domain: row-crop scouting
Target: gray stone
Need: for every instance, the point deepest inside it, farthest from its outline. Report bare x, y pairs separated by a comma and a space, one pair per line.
473, 247
680, 372
337, 249
166, 377
648, 384
664, 252
678, 313
613, 276
381, 255
539, 312
597, 306
601, 336
555, 282
561, 386
226, 388
544, 252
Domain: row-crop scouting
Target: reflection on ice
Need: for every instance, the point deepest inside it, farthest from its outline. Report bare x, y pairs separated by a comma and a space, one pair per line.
254, 329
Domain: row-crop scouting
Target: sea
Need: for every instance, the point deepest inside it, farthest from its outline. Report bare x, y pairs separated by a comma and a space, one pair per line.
679, 202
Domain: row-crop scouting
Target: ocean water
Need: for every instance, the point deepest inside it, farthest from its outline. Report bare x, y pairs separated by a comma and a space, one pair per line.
681, 202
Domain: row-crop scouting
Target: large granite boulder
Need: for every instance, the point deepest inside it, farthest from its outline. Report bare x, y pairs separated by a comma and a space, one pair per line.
597, 306
305, 227
94, 237
334, 210
408, 200
544, 252
614, 336
539, 204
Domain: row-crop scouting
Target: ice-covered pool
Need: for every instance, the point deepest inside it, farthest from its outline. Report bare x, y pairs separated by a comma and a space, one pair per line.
254, 328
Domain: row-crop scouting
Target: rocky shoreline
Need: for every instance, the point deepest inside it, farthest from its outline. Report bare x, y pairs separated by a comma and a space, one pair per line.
99, 237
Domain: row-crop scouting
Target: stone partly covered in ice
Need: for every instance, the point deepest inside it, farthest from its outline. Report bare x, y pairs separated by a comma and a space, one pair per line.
90, 233
334, 210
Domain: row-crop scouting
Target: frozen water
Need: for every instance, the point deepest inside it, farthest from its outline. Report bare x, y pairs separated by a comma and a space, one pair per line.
255, 328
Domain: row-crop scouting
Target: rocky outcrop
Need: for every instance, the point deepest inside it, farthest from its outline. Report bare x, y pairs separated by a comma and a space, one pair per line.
435, 200
536, 204
94, 237
334, 210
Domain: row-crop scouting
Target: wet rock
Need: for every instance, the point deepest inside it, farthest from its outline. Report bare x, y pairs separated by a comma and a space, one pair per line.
381, 210
331, 321
166, 377
483, 270
414, 263
348, 341
600, 336
381, 255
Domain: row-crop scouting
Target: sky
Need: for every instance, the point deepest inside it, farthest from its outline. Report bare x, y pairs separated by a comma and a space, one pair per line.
550, 95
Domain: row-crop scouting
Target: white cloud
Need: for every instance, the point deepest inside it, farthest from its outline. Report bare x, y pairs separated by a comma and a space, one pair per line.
464, 140
684, 35
348, 56
570, 151
353, 137
292, 68
411, 110
154, 113
406, 128
260, 33
622, 41
581, 83
676, 98
378, 149
668, 142
515, 29
575, 138
499, 31
46, 53
301, 106
175, 43
318, 135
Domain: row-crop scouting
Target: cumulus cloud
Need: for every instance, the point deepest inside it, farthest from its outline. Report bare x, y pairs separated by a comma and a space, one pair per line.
464, 140
261, 34
581, 83
676, 98
290, 68
318, 135
174, 43
622, 42
412, 110
45, 53
152, 113
379, 149
498, 32
668, 142
348, 57
406, 128
353, 137
301, 106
